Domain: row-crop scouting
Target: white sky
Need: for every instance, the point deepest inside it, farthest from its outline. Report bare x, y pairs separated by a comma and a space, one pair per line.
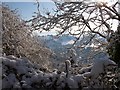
114, 25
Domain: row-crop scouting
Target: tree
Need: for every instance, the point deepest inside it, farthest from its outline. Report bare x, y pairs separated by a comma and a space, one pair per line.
18, 40
114, 46
80, 18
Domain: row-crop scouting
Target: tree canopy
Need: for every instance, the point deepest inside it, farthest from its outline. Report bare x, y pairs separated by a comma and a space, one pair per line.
89, 17
80, 18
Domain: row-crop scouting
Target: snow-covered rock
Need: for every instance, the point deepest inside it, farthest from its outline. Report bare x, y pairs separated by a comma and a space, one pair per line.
99, 67
21, 73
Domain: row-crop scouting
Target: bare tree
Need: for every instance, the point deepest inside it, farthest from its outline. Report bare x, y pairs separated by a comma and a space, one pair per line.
80, 19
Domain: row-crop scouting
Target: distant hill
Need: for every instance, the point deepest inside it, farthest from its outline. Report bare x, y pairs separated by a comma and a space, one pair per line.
59, 45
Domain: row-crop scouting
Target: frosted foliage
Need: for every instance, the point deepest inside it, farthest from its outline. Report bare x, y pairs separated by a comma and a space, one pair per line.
21, 73
18, 40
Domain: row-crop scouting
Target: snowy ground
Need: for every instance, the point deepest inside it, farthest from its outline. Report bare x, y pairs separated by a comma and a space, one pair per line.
21, 73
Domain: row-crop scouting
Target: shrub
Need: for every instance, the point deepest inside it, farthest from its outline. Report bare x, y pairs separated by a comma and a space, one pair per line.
18, 40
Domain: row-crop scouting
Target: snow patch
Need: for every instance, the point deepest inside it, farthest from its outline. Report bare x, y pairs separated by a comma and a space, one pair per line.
21, 73
68, 42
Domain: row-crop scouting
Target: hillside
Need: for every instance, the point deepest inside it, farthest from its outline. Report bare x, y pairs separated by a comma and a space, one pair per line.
45, 62
18, 40
60, 45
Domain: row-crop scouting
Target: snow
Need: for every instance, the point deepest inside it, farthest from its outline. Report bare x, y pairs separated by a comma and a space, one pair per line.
98, 68
71, 83
21, 73
68, 42
87, 74
68, 64
79, 78
10, 80
109, 62
85, 69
